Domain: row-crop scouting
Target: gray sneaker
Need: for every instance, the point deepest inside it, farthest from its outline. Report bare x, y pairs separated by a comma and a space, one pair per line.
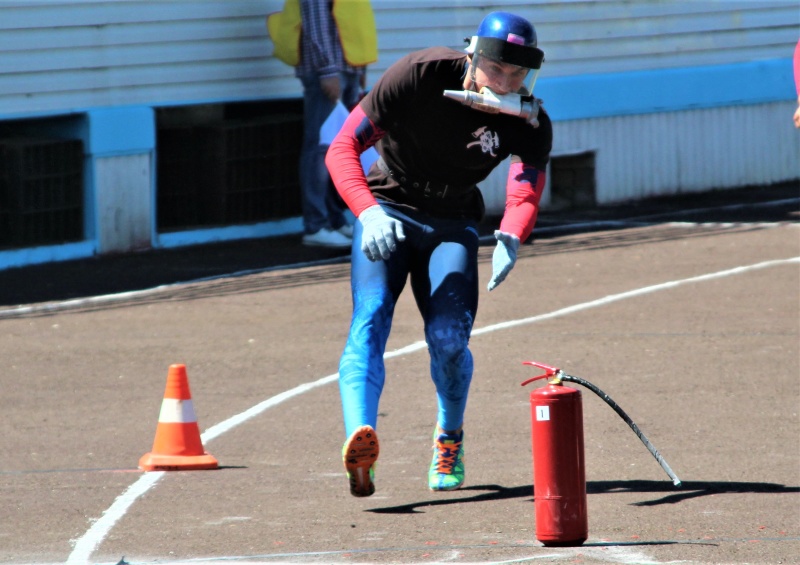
346, 230
327, 238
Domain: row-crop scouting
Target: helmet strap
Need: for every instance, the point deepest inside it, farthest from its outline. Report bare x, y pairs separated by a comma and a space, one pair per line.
473, 65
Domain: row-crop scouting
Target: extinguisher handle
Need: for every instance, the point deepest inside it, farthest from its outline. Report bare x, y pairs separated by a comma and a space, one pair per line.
548, 372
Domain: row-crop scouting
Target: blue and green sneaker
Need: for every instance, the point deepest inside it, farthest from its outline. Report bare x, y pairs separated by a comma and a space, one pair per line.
447, 468
359, 453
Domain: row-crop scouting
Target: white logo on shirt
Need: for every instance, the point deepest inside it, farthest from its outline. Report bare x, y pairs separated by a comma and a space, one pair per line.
486, 139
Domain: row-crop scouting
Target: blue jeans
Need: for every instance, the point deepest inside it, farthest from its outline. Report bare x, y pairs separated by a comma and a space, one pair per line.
441, 257
322, 207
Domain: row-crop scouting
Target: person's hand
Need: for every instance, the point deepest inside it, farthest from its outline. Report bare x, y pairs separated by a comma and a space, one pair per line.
381, 233
533, 119
504, 257
797, 114
331, 87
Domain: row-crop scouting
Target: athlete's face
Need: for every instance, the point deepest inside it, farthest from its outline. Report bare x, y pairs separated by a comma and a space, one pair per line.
501, 78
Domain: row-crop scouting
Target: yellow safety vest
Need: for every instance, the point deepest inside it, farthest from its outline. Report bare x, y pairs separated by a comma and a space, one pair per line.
354, 19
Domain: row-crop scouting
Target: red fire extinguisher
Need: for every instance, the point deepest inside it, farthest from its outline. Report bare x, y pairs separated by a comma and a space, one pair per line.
559, 472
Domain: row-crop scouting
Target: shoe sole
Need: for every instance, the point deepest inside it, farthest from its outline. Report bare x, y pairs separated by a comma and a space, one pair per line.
445, 489
359, 454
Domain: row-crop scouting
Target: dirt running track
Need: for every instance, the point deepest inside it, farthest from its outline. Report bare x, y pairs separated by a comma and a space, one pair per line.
708, 367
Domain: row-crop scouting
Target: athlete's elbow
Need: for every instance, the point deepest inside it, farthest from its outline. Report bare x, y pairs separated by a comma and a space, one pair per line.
340, 149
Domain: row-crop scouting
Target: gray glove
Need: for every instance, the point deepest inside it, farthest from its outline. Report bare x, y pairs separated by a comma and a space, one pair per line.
504, 257
381, 233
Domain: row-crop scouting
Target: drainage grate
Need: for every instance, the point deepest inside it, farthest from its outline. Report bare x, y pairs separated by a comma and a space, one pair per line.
233, 172
572, 182
41, 192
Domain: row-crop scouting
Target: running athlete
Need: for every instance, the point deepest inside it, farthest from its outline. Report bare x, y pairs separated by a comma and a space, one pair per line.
418, 211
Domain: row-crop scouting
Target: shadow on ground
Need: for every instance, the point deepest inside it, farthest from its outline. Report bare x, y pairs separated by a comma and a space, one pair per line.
689, 489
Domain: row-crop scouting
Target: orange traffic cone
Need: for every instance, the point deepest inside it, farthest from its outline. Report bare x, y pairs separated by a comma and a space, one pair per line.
177, 445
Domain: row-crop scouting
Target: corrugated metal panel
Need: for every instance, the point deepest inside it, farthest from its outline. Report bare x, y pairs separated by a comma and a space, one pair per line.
607, 35
676, 152
62, 56
658, 154
592, 37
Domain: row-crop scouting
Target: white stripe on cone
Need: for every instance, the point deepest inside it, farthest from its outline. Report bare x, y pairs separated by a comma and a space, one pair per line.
176, 411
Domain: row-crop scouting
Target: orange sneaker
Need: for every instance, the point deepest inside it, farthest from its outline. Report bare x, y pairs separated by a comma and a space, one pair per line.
359, 454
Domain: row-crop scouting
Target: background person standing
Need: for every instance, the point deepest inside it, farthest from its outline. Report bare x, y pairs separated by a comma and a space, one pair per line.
797, 82
330, 43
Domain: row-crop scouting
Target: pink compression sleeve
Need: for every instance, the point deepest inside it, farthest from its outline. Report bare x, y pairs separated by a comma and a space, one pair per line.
797, 69
523, 192
344, 164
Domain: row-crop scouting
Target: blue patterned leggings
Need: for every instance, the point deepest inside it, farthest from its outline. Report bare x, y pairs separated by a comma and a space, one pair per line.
441, 257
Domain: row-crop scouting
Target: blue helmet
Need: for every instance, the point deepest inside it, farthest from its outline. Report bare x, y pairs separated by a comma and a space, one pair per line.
508, 38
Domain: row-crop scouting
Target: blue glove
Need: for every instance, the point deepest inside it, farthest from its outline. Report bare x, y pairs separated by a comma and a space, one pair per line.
381, 233
504, 257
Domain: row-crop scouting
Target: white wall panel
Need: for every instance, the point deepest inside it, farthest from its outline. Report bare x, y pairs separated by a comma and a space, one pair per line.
676, 152
63, 56
608, 35
69, 56
124, 203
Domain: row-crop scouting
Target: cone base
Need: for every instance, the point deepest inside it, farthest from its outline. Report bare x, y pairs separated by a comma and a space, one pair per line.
156, 462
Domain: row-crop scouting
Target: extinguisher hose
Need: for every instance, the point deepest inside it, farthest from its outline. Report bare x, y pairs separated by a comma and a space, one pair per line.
608, 400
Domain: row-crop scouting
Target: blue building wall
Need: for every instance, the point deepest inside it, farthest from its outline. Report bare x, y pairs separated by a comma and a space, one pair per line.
99, 73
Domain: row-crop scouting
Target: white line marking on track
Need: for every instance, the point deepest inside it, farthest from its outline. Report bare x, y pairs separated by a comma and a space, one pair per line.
625, 222
633, 293
85, 546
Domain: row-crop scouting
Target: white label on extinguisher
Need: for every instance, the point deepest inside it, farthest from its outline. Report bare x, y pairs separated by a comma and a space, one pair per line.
542, 413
